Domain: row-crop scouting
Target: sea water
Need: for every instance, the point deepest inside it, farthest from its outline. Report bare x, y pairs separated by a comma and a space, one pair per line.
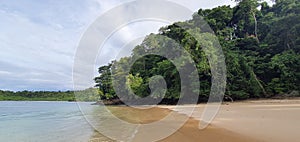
44, 122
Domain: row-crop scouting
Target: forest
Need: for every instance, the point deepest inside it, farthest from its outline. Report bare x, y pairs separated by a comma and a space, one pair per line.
260, 43
90, 94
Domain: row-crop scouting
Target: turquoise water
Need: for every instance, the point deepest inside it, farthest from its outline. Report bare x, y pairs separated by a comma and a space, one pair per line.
43, 121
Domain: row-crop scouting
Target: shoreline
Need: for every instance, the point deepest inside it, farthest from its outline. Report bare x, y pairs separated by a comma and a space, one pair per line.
269, 120
117, 102
188, 132
121, 104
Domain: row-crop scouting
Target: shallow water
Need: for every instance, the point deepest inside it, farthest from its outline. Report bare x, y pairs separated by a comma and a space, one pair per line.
44, 121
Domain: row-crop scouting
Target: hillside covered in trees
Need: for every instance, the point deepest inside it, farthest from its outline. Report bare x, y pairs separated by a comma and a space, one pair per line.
261, 45
90, 94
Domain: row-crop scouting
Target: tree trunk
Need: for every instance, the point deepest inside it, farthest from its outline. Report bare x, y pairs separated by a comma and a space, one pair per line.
255, 31
258, 82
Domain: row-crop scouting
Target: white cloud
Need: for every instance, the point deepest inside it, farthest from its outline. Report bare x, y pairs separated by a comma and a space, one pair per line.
38, 39
35, 45
5, 73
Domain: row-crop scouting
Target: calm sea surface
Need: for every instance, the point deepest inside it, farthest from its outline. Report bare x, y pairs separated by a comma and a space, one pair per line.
43, 122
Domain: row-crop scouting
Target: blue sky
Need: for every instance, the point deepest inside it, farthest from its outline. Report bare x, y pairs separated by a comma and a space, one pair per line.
39, 38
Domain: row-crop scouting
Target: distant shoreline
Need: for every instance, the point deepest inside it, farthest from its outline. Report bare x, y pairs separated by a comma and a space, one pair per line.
87, 95
91, 95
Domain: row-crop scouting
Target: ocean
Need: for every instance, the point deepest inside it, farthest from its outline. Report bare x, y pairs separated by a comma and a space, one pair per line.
44, 122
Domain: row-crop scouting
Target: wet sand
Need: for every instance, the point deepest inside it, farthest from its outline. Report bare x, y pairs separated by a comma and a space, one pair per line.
189, 132
248, 121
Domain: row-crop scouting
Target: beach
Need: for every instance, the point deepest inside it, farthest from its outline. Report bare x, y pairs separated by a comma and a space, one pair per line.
247, 121
261, 120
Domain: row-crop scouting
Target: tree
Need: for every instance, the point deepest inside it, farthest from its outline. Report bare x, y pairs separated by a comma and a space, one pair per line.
245, 17
261, 48
104, 82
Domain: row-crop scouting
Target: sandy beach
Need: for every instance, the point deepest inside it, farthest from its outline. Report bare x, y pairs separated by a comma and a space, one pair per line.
248, 121
263, 120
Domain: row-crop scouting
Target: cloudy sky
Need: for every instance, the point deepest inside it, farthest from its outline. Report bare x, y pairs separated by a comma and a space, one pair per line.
39, 38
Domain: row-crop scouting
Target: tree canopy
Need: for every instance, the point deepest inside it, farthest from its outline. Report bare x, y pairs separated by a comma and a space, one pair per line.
261, 44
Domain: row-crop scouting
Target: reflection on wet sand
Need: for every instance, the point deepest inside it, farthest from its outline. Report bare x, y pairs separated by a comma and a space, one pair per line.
188, 132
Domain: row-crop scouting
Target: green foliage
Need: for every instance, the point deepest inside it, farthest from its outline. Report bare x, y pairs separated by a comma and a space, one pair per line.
104, 82
135, 82
261, 44
36, 96
287, 64
90, 94
218, 18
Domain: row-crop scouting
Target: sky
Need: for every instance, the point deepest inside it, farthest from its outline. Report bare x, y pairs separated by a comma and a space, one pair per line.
39, 39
